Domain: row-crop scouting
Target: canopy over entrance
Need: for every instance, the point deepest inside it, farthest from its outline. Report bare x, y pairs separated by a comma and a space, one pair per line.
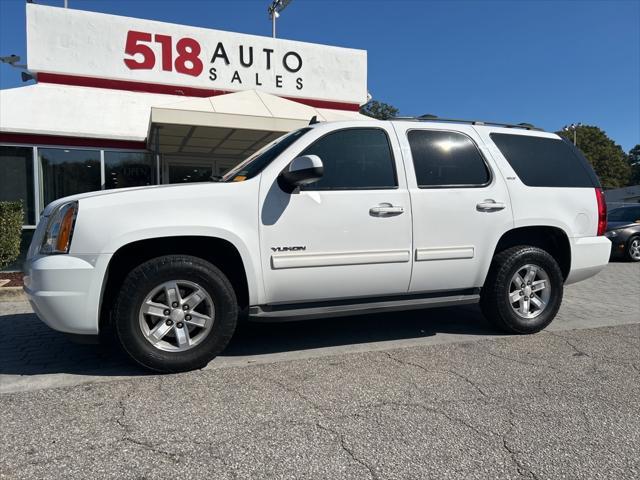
230, 126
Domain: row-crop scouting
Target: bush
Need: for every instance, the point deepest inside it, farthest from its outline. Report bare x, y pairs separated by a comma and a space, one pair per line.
10, 231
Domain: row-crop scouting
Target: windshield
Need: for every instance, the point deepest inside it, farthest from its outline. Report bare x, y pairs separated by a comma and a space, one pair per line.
253, 165
628, 214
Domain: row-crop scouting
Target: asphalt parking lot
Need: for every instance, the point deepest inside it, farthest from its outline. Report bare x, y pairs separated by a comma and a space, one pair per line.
434, 394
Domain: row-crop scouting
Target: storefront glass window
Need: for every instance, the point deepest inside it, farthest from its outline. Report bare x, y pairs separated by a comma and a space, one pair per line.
128, 169
184, 173
67, 172
16, 178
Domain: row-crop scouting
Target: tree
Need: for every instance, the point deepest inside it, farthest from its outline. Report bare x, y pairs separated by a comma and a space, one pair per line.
634, 163
379, 110
607, 159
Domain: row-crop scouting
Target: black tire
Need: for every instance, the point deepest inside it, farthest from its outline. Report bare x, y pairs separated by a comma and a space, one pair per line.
630, 244
147, 276
494, 297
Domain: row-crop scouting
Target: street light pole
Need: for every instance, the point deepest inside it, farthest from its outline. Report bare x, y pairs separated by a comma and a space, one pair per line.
274, 12
573, 128
274, 15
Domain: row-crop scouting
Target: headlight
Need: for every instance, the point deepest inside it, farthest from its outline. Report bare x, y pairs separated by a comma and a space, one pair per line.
57, 236
611, 234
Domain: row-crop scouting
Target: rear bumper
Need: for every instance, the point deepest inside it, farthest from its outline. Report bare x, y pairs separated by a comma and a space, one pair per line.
65, 291
589, 255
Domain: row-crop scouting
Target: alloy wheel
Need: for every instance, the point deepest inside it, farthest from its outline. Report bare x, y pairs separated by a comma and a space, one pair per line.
176, 316
634, 249
529, 291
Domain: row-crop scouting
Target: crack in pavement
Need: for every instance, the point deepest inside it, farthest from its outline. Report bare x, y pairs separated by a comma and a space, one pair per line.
522, 469
128, 431
466, 379
579, 351
595, 356
296, 392
514, 360
431, 408
470, 382
349, 451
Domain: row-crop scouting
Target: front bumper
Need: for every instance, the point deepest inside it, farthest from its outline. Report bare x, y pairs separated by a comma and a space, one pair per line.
65, 291
618, 244
589, 255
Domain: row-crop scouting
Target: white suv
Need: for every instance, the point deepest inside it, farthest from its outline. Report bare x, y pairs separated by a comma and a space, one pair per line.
333, 219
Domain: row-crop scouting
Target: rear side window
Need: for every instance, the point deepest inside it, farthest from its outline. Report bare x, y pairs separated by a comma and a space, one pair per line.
354, 159
545, 162
446, 159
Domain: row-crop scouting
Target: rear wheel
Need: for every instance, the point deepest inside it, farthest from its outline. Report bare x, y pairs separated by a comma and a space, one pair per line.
523, 291
633, 249
175, 313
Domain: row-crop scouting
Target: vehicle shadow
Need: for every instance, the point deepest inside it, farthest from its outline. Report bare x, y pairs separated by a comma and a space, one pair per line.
28, 347
255, 338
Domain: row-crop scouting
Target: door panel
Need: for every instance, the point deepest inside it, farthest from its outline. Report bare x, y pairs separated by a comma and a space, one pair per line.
341, 243
456, 228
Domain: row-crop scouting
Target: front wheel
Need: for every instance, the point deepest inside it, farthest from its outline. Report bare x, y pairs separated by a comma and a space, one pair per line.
175, 313
523, 290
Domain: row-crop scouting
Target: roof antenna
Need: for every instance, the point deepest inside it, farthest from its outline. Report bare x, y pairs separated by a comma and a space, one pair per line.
314, 120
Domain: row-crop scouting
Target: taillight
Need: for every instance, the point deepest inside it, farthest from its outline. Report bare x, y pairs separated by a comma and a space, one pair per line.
602, 211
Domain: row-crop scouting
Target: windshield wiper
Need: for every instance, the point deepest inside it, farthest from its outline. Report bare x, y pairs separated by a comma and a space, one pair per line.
215, 178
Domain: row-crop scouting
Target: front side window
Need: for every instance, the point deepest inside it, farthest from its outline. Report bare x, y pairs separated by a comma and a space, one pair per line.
68, 171
16, 178
354, 159
446, 159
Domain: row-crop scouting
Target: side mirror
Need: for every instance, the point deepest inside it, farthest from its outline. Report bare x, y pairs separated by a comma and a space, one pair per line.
301, 171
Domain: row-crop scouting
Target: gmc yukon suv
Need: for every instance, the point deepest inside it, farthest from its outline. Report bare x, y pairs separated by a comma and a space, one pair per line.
332, 219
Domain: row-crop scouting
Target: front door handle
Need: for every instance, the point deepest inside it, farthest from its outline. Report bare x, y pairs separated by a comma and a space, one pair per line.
386, 210
490, 205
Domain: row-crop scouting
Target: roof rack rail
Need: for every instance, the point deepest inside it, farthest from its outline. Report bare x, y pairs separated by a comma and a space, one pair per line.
435, 118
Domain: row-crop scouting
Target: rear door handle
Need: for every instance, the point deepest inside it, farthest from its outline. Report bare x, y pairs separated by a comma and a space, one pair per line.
490, 205
386, 210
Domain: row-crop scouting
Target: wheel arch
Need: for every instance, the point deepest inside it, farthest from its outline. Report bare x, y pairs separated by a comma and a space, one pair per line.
553, 240
219, 251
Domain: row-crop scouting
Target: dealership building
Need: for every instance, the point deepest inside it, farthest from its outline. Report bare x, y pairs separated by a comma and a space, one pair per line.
123, 102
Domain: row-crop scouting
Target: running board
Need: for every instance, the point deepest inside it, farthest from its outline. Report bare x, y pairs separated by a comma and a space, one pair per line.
291, 312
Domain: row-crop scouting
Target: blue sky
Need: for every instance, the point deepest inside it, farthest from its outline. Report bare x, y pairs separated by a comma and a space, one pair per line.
545, 62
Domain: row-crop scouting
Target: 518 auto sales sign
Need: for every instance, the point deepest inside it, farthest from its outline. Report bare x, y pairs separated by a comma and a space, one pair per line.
67, 42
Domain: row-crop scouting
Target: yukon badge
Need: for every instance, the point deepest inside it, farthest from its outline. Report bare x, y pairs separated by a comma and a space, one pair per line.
288, 249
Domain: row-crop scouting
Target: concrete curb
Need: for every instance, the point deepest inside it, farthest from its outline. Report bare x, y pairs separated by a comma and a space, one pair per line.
12, 294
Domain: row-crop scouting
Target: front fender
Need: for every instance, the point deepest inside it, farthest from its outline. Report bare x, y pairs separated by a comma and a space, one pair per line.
251, 265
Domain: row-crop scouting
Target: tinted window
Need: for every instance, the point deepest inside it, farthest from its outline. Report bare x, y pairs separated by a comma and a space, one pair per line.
446, 159
356, 158
544, 162
625, 214
68, 171
16, 179
128, 169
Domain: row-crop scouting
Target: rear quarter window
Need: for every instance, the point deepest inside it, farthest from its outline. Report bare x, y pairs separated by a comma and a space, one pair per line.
545, 162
